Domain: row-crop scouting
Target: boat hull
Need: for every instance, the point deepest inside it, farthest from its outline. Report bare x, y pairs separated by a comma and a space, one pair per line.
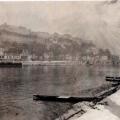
63, 99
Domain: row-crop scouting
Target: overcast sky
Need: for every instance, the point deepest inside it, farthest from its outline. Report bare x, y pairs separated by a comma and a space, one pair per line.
97, 21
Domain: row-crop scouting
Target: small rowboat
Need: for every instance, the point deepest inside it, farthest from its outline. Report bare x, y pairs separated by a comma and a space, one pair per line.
62, 98
113, 79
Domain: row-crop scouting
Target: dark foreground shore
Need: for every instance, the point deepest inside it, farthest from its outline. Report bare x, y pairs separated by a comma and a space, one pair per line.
82, 110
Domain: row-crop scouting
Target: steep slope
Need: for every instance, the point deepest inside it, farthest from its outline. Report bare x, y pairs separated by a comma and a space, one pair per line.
44, 45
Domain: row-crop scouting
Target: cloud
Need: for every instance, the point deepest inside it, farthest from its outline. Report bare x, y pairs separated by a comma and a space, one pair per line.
97, 22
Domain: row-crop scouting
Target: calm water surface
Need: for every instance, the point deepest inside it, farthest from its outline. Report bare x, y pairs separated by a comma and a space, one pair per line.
17, 86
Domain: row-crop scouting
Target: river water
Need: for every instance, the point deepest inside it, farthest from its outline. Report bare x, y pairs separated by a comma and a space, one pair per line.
18, 85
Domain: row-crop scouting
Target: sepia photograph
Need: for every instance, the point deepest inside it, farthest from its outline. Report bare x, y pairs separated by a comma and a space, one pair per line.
60, 60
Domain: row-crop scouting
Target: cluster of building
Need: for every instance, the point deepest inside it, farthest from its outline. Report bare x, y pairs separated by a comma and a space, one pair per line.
97, 58
13, 55
92, 57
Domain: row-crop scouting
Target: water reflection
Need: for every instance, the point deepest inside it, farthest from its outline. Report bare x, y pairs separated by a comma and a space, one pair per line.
17, 86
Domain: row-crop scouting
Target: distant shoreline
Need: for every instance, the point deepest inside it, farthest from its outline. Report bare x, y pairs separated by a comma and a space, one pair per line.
50, 62
60, 62
25, 63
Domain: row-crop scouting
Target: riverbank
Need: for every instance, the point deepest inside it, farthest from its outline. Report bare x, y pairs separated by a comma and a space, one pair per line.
50, 62
65, 62
108, 108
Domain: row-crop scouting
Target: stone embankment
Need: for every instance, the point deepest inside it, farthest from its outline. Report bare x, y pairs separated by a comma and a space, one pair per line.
50, 62
106, 109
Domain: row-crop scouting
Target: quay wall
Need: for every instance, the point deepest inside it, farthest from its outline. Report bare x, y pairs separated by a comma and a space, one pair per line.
50, 62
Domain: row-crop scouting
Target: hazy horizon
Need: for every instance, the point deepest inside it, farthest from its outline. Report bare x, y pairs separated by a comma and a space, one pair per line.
96, 21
